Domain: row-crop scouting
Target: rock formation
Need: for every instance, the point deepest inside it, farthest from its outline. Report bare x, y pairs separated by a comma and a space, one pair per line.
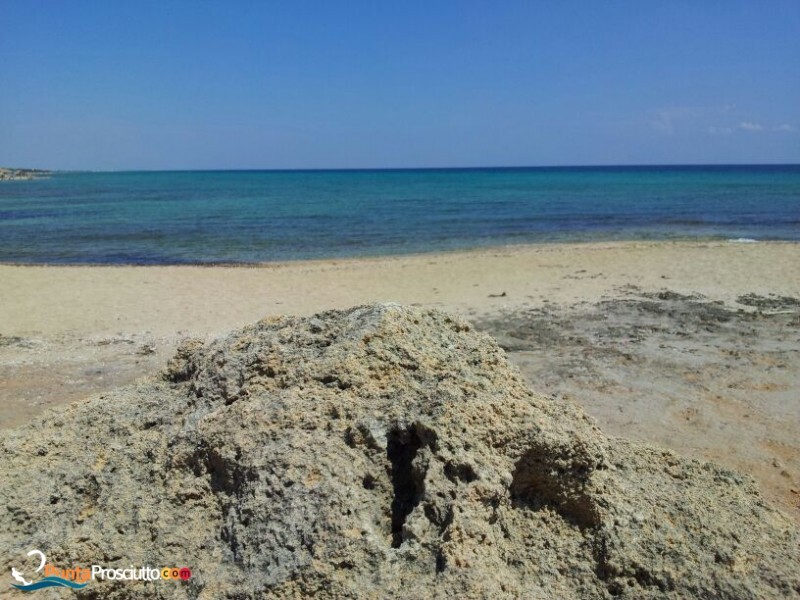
22, 174
379, 452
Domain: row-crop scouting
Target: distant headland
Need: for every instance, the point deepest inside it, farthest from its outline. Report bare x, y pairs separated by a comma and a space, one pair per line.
7, 174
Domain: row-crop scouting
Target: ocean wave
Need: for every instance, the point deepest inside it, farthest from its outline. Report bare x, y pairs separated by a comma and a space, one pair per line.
50, 582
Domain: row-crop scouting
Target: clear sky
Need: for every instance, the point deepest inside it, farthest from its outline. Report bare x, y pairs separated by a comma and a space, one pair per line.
298, 84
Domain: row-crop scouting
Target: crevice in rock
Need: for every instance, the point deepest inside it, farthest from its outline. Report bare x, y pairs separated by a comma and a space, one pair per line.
333, 380
407, 483
548, 477
441, 561
442, 517
460, 472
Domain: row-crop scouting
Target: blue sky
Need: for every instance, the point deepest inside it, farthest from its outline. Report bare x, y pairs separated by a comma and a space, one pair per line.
200, 84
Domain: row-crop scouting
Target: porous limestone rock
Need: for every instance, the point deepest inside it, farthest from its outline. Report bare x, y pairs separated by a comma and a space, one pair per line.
378, 452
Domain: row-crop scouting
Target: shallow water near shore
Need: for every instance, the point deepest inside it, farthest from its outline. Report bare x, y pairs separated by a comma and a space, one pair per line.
259, 216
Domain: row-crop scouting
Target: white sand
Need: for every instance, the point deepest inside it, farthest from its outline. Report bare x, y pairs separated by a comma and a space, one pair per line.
88, 301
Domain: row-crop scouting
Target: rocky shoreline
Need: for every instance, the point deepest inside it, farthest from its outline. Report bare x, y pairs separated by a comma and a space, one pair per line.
7, 174
380, 451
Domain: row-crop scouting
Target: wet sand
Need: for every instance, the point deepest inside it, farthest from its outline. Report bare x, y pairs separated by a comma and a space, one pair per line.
694, 346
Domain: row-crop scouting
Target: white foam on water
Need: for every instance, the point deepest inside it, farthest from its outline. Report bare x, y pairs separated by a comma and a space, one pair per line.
743, 241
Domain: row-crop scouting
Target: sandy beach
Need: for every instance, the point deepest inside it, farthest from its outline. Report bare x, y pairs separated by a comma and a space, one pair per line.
455, 300
694, 346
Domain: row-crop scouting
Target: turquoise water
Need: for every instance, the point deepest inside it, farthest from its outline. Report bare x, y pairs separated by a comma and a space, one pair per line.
253, 216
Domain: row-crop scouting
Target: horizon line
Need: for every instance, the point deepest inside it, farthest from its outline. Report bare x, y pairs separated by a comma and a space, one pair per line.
444, 168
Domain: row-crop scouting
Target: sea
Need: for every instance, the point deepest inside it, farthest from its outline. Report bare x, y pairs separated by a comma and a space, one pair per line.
220, 217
